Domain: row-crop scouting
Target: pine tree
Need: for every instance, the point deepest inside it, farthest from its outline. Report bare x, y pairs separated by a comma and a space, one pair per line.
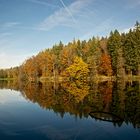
132, 50
137, 43
113, 44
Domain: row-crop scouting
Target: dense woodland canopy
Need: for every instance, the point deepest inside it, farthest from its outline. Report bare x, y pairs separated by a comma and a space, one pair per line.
117, 55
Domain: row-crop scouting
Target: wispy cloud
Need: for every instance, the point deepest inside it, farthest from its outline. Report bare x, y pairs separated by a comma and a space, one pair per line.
44, 3
98, 29
5, 34
10, 24
14, 25
61, 17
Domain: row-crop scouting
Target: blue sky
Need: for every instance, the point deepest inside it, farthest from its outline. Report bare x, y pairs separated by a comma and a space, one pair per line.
29, 26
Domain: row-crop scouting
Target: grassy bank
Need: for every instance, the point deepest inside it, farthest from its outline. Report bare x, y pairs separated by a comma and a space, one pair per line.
98, 78
7, 79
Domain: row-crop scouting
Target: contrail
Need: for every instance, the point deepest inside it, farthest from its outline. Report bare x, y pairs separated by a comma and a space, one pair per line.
69, 12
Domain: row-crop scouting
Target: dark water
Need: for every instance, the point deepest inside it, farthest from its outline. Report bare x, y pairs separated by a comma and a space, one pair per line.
70, 111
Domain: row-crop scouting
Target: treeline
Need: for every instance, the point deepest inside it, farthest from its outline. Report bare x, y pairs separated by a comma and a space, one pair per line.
117, 55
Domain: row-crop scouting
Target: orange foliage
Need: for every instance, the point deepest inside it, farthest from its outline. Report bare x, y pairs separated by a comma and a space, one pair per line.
105, 65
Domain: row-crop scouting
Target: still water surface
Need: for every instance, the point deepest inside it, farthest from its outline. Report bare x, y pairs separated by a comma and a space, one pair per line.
70, 111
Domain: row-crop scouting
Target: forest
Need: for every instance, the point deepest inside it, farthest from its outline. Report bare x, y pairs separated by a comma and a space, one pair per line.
114, 57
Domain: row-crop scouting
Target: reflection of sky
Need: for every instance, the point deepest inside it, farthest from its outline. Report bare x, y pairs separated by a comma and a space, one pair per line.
6, 96
20, 119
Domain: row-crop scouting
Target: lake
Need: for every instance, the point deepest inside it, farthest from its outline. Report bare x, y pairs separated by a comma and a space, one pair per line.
70, 111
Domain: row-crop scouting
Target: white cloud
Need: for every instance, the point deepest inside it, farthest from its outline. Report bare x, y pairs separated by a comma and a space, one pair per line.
126, 30
12, 60
64, 16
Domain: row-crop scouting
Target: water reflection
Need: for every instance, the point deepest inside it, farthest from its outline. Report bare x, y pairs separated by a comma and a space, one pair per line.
117, 103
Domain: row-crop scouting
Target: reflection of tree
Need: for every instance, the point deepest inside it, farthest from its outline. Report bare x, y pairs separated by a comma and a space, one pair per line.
37, 93
126, 102
101, 96
101, 102
11, 84
132, 104
79, 98
118, 105
77, 88
106, 92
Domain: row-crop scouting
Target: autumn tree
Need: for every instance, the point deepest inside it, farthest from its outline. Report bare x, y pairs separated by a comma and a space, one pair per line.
78, 70
105, 65
66, 57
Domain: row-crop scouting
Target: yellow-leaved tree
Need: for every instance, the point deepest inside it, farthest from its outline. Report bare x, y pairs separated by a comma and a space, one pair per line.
78, 70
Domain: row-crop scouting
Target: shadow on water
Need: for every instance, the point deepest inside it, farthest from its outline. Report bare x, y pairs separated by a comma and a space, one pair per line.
114, 102
105, 116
